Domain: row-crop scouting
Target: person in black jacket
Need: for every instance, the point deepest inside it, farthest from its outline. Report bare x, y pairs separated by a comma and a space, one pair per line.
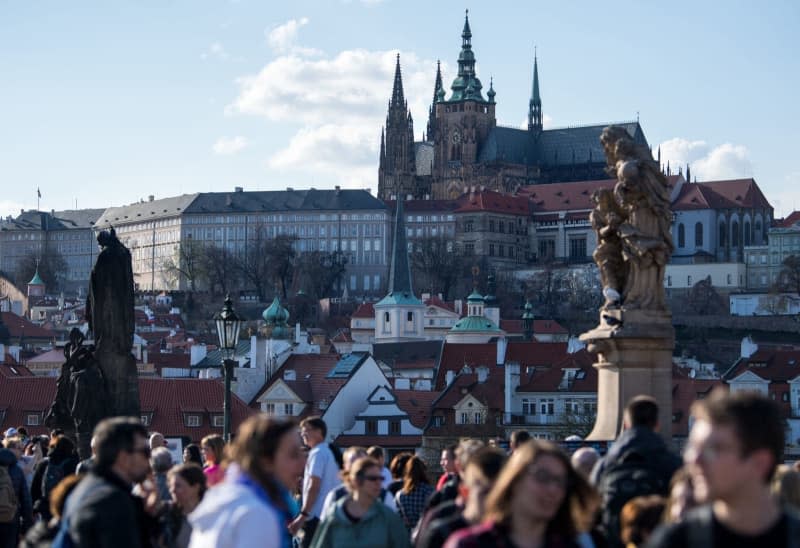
102, 511
24, 518
639, 463
60, 462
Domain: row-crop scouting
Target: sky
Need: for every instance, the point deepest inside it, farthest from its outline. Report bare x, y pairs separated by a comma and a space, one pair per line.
104, 103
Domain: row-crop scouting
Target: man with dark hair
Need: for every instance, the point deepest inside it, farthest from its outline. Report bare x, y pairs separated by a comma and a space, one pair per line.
735, 444
321, 475
102, 511
448, 464
518, 437
637, 464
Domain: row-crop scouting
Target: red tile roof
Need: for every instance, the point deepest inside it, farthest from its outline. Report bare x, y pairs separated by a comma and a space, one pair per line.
436, 301
164, 359
489, 200
417, 403
727, 194
489, 392
364, 310
685, 391
19, 326
790, 221
564, 196
545, 327
11, 370
167, 399
548, 379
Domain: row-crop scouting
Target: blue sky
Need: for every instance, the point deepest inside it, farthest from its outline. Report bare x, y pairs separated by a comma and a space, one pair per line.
105, 103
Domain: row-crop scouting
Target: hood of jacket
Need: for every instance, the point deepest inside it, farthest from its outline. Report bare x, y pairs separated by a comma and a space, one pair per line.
218, 501
7, 458
340, 517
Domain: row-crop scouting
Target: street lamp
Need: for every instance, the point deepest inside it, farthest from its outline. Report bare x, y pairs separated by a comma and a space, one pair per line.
228, 325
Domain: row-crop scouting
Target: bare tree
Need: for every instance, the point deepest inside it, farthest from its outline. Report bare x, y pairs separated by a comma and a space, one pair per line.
789, 276
52, 269
268, 261
186, 264
319, 271
437, 265
220, 269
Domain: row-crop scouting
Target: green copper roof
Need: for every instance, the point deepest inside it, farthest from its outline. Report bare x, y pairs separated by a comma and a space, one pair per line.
275, 314
475, 297
36, 280
399, 298
474, 323
466, 86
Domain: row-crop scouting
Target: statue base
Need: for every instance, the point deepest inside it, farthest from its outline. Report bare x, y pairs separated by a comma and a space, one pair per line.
634, 357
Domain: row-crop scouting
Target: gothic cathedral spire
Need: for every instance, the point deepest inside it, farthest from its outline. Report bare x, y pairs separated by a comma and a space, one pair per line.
397, 164
438, 95
535, 105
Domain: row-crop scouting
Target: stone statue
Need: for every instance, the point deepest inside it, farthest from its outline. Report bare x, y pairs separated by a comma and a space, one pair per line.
641, 196
606, 218
109, 305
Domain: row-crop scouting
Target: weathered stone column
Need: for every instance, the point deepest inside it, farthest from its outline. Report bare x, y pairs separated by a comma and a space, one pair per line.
634, 357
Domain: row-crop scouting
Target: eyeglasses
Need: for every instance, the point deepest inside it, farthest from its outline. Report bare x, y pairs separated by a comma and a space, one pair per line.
544, 478
372, 478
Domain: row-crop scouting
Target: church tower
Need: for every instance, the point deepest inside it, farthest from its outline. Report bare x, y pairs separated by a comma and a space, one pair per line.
535, 104
438, 95
462, 124
396, 171
399, 315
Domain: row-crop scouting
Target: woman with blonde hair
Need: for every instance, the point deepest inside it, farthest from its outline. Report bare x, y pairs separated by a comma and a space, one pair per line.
538, 500
360, 519
212, 448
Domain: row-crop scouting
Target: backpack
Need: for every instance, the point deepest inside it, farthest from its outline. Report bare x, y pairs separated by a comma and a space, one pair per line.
53, 474
8, 497
632, 475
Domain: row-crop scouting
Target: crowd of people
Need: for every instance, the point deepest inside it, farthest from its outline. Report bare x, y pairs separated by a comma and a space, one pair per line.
282, 484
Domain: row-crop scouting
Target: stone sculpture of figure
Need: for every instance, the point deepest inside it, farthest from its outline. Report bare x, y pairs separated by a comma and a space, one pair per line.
59, 415
642, 193
87, 398
109, 305
606, 218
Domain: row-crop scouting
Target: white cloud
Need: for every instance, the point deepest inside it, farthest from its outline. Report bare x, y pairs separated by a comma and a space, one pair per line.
229, 145
283, 38
726, 161
215, 51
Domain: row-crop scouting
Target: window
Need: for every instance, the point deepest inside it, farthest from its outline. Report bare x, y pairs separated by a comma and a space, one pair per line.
577, 248
193, 420
218, 421
469, 248
478, 417
747, 233
669, 281
145, 420
371, 426
394, 428
528, 407
464, 417
547, 406
353, 282
681, 235
491, 250
547, 249
366, 282
689, 281
376, 282
735, 234
270, 408
468, 226
491, 225
288, 409
32, 419
438, 420
722, 232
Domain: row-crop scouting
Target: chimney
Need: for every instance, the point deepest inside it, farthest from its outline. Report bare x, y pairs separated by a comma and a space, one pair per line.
238, 189
449, 376
338, 189
749, 347
502, 345
483, 373
151, 198
457, 304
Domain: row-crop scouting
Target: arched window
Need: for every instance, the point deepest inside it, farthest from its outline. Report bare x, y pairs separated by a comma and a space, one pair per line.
698, 235
735, 234
387, 323
681, 236
758, 237
722, 232
747, 233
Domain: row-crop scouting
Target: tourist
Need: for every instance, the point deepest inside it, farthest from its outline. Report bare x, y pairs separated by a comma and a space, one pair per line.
320, 476
480, 473
350, 456
160, 463
734, 446
157, 440
191, 453
538, 500
60, 462
187, 485
445, 502
253, 506
85, 466
683, 496
786, 487
360, 519
413, 497
15, 505
213, 450
518, 437
584, 460
397, 467
42, 534
639, 517
639, 463
377, 453
448, 464
101, 511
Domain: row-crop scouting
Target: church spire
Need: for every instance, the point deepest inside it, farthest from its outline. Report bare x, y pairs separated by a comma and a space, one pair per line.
383, 149
400, 272
398, 98
535, 105
438, 95
466, 85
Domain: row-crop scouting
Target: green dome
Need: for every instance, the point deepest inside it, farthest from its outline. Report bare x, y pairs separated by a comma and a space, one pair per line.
475, 297
272, 312
36, 280
474, 323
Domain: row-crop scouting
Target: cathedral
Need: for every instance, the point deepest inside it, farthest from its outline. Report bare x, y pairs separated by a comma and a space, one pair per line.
464, 147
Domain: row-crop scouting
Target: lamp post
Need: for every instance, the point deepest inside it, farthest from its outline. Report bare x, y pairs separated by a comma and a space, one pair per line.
228, 325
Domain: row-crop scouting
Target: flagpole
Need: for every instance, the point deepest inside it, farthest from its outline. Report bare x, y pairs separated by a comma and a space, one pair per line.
38, 197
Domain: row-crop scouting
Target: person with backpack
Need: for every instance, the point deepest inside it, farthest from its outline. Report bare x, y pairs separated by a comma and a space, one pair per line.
735, 445
60, 462
639, 463
15, 499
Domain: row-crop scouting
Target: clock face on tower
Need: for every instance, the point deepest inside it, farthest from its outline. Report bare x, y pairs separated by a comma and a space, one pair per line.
456, 136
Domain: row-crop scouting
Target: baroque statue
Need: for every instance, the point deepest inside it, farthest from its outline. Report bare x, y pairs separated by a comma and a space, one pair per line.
633, 226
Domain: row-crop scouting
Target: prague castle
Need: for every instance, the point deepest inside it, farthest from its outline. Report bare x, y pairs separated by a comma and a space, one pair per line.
464, 147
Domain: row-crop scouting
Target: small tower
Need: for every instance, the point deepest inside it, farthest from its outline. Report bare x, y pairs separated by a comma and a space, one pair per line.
36, 287
535, 104
276, 318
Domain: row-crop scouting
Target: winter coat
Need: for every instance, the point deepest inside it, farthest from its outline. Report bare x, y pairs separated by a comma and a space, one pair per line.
24, 511
380, 527
645, 442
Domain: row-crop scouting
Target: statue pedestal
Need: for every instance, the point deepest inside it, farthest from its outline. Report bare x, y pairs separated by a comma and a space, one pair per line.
122, 383
634, 357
